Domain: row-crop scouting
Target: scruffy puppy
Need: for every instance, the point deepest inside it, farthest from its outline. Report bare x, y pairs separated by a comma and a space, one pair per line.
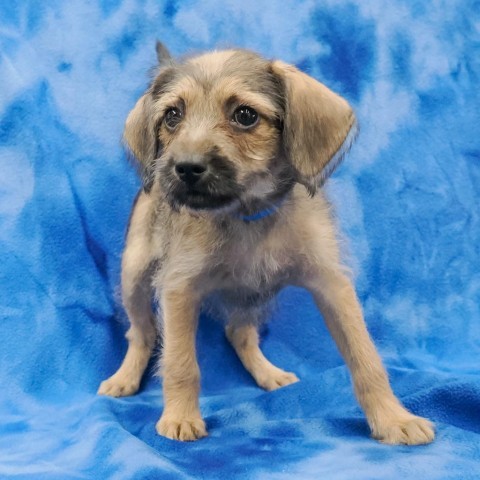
233, 150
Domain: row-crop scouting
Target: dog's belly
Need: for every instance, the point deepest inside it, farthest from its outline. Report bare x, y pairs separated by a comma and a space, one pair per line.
246, 298
241, 286
240, 304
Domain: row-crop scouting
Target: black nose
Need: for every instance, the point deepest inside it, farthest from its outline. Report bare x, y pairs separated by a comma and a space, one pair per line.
190, 173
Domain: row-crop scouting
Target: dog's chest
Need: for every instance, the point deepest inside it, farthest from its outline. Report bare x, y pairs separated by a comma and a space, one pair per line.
249, 263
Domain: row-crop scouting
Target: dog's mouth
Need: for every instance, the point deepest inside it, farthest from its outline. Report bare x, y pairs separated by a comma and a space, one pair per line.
199, 200
216, 189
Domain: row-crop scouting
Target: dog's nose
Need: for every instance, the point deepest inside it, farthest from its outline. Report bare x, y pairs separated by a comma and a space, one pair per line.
190, 173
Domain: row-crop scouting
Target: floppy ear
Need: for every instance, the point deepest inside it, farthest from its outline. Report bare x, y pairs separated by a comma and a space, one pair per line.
140, 132
319, 126
140, 137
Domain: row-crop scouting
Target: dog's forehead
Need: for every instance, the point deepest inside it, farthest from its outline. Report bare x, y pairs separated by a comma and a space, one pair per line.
211, 63
240, 64
230, 71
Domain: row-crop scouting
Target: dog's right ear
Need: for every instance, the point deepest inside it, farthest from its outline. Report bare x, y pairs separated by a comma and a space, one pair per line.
141, 138
163, 55
141, 127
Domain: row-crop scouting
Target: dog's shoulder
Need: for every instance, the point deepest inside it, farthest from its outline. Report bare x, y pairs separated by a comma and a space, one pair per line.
309, 210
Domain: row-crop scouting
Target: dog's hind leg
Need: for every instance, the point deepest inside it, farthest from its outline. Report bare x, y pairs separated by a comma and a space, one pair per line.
136, 297
245, 340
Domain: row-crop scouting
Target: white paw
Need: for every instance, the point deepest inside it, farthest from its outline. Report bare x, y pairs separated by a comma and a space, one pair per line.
119, 386
273, 378
180, 428
404, 430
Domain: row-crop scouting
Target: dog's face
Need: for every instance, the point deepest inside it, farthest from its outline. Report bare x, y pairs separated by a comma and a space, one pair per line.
230, 128
219, 130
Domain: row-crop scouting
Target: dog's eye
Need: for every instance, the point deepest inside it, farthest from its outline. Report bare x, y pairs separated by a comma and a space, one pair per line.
245, 117
172, 118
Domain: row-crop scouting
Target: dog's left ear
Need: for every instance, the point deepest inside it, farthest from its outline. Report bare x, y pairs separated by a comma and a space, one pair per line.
319, 126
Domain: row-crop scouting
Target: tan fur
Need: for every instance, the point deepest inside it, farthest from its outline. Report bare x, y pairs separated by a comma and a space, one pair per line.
186, 254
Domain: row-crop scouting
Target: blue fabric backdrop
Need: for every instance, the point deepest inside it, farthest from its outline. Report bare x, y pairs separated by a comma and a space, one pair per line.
407, 198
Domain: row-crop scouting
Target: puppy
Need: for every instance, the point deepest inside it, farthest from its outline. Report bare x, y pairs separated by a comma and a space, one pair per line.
233, 150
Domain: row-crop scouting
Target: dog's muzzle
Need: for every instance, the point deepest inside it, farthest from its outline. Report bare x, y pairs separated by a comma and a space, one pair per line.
208, 183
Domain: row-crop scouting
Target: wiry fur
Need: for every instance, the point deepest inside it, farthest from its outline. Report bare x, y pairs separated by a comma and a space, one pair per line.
188, 242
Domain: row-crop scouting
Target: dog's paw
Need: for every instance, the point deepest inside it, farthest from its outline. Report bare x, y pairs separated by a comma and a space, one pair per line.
273, 378
183, 429
404, 430
118, 386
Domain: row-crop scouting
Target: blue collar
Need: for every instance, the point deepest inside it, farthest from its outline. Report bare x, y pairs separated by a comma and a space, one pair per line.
262, 213
259, 215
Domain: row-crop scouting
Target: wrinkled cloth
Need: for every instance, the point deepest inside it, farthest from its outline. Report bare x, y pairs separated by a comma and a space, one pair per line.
406, 198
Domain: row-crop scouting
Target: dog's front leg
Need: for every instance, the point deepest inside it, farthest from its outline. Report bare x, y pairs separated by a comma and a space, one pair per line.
389, 421
181, 419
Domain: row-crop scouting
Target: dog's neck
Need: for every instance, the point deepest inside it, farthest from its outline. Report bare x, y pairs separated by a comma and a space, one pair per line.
259, 209
253, 215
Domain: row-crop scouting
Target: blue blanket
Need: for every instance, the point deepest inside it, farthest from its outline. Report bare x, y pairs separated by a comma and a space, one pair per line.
407, 198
